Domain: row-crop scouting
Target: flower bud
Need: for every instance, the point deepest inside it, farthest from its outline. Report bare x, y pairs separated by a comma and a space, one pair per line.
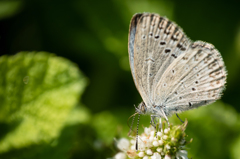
160, 142
155, 143
159, 149
165, 137
149, 152
168, 147
141, 154
159, 134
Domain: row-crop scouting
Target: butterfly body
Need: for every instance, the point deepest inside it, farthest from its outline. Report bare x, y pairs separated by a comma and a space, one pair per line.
172, 73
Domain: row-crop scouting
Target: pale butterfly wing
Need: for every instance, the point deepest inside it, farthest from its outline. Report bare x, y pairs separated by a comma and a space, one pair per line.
169, 70
132, 57
154, 43
135, 58
196, 78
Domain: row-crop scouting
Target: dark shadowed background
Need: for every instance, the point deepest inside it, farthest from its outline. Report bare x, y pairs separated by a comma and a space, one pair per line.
94, 35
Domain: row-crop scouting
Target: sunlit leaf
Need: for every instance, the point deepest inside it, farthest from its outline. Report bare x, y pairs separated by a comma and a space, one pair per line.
37, 92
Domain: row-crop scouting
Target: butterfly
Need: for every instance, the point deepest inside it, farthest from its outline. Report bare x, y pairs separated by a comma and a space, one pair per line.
171, 73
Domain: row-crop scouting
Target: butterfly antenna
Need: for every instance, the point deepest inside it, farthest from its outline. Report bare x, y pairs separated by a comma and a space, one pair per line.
131, 124
179, 118
137, 133
135, 107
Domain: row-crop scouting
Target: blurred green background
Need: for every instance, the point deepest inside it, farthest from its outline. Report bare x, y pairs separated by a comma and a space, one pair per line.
52, 108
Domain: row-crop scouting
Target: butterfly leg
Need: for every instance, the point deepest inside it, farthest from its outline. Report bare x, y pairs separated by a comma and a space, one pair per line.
165, 116
152, 122
179, 118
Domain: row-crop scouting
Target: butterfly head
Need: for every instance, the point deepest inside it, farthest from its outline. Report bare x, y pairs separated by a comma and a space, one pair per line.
141, 109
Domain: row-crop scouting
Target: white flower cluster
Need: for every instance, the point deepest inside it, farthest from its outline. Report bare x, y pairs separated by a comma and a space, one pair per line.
165, 144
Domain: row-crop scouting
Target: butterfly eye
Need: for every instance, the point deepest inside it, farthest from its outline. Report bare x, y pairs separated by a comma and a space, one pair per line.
190, 104
143, 108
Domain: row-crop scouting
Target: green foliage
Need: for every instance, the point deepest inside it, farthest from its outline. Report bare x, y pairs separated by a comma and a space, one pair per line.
214, 130
39, 92
105, 125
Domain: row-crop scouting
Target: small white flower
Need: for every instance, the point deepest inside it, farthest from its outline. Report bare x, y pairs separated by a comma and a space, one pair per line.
159, 149
160, 142
141, 154
168, 147
143, 138
167, 157
154, 147
120, 155
165, 137
133, 147
148, 143
166, 131
145, 157
123, 144
152, 128
159, 134
152, 133
141, 146
155, 143
132, 141
147, 130
151, 138
156, 156
149, 152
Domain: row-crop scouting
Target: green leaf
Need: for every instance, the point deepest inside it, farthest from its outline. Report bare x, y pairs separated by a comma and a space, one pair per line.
38, 91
